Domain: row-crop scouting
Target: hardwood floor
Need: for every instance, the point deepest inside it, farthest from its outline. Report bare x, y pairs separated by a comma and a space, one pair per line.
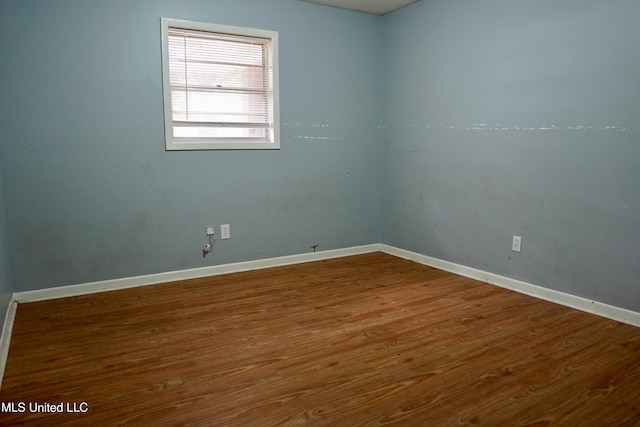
363, 340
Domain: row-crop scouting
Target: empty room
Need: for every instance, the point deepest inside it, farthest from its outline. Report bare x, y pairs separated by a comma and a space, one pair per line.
341, 212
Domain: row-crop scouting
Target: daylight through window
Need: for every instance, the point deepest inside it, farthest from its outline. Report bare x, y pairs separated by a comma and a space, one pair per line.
220, 86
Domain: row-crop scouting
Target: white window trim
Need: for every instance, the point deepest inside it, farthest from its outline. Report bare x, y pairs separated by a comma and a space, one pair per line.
174, 143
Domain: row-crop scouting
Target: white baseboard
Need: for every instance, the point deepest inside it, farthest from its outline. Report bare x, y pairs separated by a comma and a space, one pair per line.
5, 340
594, 307
151, 279
568, 300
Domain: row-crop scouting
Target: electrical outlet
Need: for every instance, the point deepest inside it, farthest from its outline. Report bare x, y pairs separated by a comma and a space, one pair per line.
225, 231
517, 243
209, 230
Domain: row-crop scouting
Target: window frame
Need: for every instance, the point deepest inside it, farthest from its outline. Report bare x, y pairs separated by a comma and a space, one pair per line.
272, 142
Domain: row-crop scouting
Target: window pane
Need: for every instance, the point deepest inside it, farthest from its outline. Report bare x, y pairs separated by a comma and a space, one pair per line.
220, 86
219, 107
214, 79
216, 132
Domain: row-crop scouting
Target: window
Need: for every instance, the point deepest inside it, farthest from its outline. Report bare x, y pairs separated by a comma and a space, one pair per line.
220, 86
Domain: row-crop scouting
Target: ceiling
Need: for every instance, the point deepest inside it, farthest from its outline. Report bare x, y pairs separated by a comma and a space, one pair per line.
377, 7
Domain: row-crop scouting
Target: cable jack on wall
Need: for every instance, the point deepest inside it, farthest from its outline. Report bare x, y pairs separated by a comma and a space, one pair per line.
208, 247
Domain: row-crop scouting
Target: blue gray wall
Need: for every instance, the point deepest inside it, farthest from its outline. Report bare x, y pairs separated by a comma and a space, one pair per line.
517, 118
90, 192
6, 284
499, 117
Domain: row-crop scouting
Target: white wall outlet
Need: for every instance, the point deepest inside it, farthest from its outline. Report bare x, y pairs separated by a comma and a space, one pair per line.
225, 231
517, 243
210, 230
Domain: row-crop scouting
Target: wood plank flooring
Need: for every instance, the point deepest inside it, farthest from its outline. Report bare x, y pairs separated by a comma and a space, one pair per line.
357, 341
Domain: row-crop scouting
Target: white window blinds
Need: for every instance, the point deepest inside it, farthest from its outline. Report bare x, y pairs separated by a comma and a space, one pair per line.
221, 86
